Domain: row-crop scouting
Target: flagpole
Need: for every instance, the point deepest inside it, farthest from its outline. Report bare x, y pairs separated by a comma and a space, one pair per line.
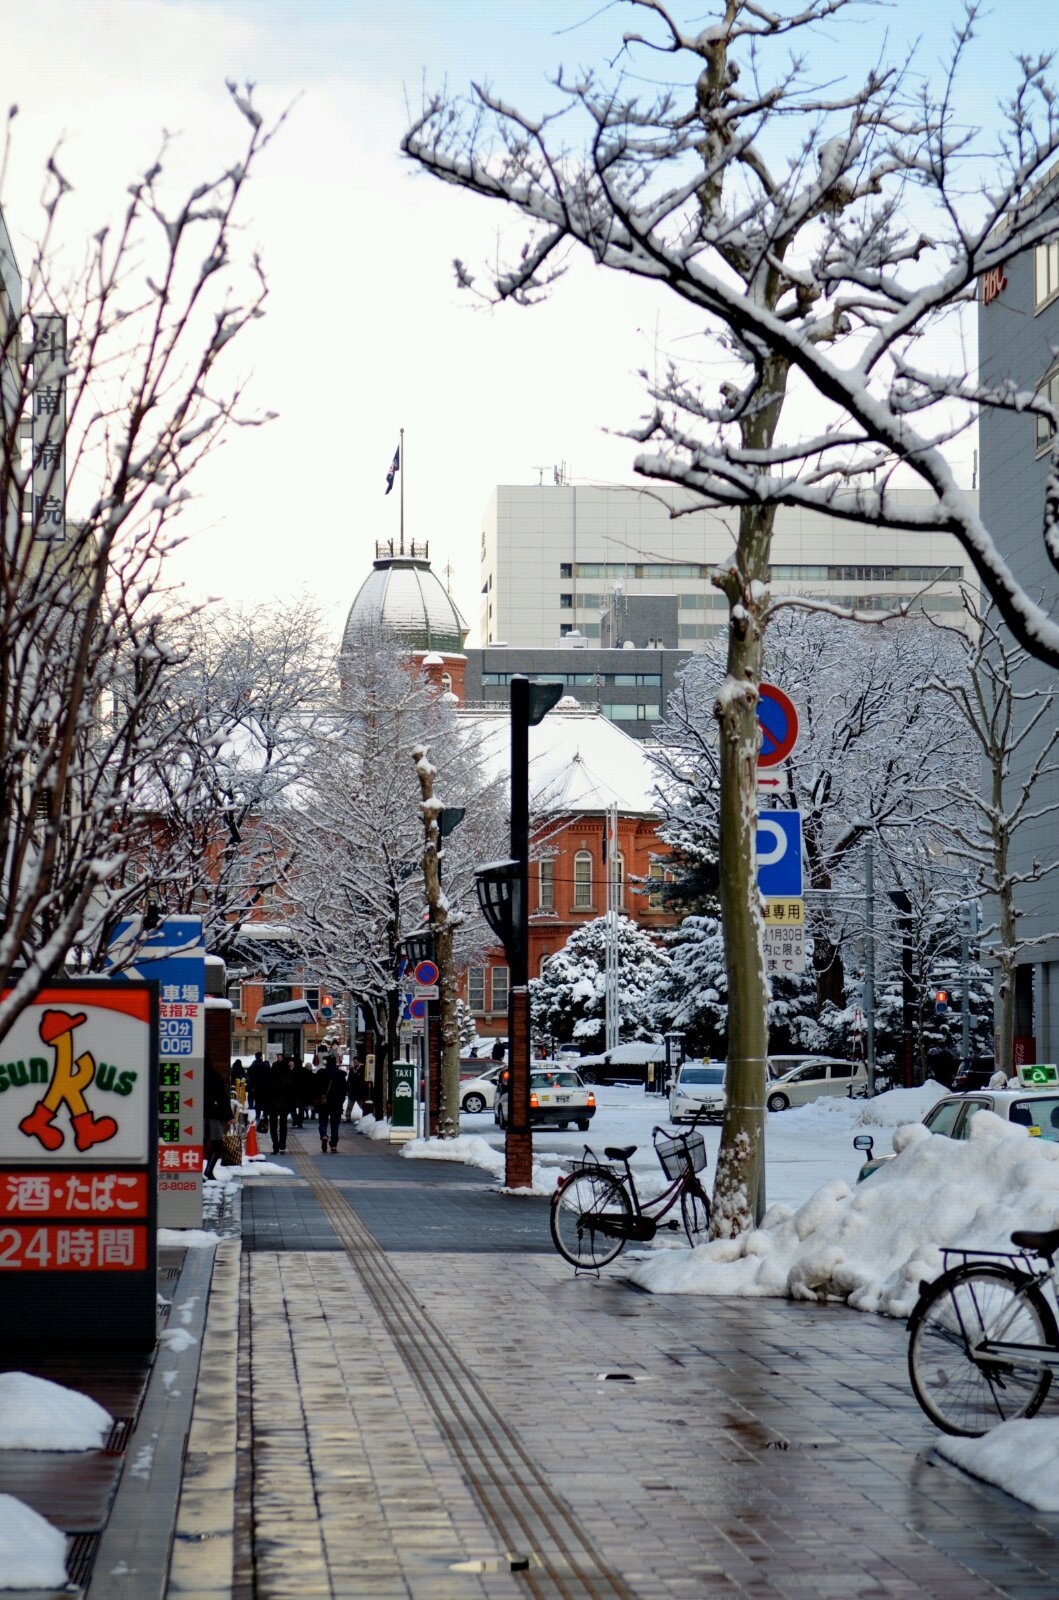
401, 464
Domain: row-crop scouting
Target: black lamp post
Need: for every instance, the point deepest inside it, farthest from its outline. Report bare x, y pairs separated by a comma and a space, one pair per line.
503, 894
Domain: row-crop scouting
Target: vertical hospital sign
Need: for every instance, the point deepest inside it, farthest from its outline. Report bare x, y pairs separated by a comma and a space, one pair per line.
49, 428
77, 1155
173, 956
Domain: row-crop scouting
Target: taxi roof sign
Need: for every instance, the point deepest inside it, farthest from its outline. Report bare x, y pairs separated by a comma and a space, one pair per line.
1039, 1075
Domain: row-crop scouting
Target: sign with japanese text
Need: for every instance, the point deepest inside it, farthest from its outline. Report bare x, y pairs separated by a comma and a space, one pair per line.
78, 1072
173, 956
784, 945
788, 910
49, 428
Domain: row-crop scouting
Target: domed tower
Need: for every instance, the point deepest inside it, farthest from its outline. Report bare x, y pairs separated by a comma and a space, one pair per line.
404, 596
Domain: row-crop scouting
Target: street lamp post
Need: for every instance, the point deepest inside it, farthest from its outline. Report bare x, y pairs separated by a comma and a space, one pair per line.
503, 892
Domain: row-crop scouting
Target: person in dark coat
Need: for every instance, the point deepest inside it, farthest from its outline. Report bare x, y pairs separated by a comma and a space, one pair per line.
331, 1096
217, 1110
259, 1090
282, 1099
497, 1052
302, 1093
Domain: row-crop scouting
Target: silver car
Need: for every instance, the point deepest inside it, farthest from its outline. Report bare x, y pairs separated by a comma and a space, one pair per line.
698, 1093
817, 1077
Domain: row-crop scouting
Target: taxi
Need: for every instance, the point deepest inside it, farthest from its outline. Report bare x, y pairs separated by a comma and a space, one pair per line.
558, 1096
1036, 1110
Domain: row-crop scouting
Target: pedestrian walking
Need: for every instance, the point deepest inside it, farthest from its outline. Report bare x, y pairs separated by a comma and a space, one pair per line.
302, 1091
282, 1092
259, 1089
217, 1110
354, 1087
331, 1094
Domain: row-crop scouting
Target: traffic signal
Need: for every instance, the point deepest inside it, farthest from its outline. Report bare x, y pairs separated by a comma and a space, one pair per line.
941, 1002
327, 1005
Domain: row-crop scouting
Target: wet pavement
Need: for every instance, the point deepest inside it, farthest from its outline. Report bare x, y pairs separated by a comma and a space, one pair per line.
398, 1389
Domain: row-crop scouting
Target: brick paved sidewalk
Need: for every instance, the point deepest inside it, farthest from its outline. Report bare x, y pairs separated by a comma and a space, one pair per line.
426, 1410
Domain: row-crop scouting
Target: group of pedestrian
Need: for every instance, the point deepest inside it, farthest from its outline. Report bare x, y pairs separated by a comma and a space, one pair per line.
288, 1091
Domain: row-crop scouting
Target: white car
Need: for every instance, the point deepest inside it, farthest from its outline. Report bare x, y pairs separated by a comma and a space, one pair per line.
815, 1078
1035, 1109
698, 1092
477, 1094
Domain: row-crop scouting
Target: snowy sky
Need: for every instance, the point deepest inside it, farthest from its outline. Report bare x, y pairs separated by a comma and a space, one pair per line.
366, 331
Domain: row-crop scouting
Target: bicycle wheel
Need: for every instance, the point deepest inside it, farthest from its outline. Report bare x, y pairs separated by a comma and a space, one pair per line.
578, 1207
695, 1212
959, 1391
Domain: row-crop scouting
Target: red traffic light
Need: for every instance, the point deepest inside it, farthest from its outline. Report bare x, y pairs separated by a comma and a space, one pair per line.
941, 1000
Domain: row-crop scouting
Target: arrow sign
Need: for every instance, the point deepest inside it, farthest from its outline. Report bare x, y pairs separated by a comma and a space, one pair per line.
779, 725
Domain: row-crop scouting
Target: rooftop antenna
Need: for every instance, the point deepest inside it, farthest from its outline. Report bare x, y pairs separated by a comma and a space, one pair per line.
449, 569
540, 471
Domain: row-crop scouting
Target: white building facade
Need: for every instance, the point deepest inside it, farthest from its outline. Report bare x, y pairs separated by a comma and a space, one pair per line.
554, 556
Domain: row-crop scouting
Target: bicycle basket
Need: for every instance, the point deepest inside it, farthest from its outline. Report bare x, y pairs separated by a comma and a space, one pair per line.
679, 1151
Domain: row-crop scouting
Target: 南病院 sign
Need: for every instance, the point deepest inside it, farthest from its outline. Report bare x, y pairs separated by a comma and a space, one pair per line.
779, 852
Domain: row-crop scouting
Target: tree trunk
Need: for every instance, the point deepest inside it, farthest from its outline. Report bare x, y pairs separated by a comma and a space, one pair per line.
449, 1110
738, 1193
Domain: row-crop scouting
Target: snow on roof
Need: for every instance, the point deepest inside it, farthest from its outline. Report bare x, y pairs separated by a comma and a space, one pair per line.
579, 761
264, 930
292, 1013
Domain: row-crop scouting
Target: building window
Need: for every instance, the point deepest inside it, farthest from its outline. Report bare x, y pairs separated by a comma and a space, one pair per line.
545, 958
566, 602
582, 880
589, 602
655, 879
446, 682
476, 988
590, 630
565, 628
499, 989
566, 569
1045, 274
1049, 390
547, 882
235, 996
632, 712
620, 885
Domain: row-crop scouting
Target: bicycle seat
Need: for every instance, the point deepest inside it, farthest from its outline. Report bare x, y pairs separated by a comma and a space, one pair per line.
613, 1153
1042, 1244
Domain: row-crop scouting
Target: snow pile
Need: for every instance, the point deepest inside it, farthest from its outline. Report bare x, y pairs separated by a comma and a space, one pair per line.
372, 1129
32, 1552
188, 1238
873, 1246
833, 1113
38, 1415
1021, 1457
473, 1151
248, 1169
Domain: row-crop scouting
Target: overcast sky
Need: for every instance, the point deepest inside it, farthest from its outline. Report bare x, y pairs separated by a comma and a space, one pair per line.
366, 331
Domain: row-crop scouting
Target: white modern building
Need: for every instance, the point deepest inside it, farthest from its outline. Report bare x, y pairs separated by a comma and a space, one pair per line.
555, 555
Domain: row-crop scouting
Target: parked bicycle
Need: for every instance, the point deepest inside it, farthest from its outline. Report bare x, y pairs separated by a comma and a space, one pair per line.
596, 1209
983, 1341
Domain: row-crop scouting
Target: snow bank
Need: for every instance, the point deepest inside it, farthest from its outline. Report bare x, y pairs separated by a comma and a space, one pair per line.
372, 1129
833, 1113
189, 1238
32, 1552
872, 1246
38, 1415
248, 1169
1021, 1457
473, 1151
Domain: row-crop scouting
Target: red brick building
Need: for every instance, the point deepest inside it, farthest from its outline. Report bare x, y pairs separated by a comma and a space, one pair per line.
580, 764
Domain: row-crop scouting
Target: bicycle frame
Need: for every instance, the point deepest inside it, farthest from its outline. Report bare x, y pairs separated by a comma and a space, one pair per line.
652, 1210
985, 1352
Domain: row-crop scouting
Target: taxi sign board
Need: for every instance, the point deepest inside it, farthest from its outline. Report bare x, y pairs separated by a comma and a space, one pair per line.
1039, 1075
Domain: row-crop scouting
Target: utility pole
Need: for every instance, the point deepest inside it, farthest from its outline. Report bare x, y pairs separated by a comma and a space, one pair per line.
869, 961
612, 990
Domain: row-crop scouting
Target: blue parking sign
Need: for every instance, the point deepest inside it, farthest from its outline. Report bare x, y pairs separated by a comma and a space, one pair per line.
779, 853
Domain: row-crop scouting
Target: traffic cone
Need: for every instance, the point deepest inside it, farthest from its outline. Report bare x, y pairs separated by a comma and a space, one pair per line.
252, 1153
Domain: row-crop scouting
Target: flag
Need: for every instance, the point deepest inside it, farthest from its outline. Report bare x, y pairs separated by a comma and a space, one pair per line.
395, 467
